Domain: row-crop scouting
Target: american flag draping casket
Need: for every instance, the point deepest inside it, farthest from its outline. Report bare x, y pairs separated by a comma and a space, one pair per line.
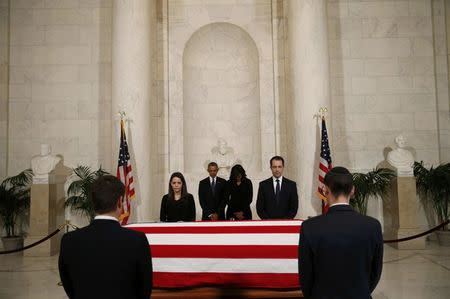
247, 254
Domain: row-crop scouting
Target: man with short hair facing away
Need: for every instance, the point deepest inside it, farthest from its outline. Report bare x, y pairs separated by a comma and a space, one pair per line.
340, 253
211, 194
103, 259
277, 196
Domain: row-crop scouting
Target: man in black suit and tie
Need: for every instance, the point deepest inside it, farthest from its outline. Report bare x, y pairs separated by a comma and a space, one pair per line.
277, 196
211, 195
104, 260
340, 253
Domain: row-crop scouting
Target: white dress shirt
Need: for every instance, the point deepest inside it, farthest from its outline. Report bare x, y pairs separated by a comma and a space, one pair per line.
105, 217
340, 204
275, 183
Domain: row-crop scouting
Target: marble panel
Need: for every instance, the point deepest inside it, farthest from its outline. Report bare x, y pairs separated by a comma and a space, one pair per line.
416, 65
225, 85
61, 92
338, 9
388, 47
20, 55
95, 34
364, 85
61, 110
346, 67
418, 102
425, 120
374, 9
381, 66
25, 110
78, 16
419, 8
63, 35
383, 103
27, 35
61, 55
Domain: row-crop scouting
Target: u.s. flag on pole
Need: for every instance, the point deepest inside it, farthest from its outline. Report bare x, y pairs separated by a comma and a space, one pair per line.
125, 175
325, 164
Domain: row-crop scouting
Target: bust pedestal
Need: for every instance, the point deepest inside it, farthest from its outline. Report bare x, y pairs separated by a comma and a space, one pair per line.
401, 214
46, 214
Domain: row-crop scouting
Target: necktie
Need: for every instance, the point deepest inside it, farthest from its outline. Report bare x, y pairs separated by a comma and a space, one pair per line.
277, 190
213, 186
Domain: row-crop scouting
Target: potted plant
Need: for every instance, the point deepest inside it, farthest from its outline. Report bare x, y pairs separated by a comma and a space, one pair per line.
373, 183
434, 186
79, 191
14, 203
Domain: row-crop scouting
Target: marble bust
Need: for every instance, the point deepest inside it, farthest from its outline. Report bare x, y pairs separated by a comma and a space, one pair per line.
224, 156
401, 159
43, 164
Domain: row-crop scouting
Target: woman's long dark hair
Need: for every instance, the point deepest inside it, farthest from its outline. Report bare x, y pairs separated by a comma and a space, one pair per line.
237, 170
183, 185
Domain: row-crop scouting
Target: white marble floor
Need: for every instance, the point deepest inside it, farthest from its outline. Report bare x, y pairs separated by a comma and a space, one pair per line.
407, 274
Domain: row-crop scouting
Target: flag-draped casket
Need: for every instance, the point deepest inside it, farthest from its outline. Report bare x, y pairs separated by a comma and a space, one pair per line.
258, 254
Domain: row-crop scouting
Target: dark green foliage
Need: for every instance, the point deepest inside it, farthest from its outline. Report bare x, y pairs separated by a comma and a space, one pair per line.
14, 199
434, 185
79, 193
373, 183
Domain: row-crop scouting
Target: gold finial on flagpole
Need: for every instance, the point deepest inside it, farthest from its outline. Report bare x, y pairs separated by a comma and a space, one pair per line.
323, 111
122, 114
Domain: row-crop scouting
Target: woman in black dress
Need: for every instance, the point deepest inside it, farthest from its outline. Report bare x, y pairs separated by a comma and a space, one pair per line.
178, 204
239, 195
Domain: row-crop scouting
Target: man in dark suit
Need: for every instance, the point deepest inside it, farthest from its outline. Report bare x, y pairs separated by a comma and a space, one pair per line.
104, 260
211, 195
277, 196
340, 253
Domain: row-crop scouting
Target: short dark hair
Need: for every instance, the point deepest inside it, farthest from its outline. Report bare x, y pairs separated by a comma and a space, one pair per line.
105, 192
210, 164
339, 180
277, 158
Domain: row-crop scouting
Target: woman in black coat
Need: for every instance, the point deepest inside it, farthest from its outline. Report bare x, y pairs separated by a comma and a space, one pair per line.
178, 204
239, 195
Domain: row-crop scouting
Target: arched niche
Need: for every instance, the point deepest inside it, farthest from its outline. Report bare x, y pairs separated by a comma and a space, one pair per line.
221, 95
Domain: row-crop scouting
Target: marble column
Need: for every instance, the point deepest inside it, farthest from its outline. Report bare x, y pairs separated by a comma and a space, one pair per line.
309, 90
133, 32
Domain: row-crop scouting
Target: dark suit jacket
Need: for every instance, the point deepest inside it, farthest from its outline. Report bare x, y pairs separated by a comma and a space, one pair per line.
239, 198
104, 260
177, 210
340, 254
267, 205
212, 203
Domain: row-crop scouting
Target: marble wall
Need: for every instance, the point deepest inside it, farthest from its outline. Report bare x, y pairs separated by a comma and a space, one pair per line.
383, 79
4, 63
221, 95
254, 18
388, 70
60, 81
444, 81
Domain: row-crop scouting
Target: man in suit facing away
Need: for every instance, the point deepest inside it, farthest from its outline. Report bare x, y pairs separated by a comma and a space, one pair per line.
340, 253
211, 194
277, 196
104, 260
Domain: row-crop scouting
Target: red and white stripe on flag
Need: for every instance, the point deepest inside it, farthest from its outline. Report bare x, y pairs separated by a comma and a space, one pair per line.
258, 254
324, 165
124, 173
